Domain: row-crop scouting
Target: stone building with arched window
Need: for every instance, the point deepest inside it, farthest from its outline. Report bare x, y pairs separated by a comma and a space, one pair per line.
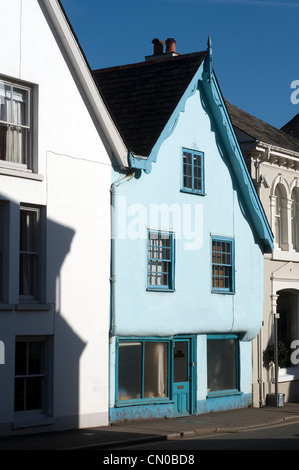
272, 157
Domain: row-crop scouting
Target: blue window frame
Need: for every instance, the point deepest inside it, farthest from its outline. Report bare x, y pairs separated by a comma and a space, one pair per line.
160, 260
223, 361
223, 265
193, 172
142, 370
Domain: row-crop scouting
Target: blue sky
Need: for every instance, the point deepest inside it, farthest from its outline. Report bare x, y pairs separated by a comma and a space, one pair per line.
255, 43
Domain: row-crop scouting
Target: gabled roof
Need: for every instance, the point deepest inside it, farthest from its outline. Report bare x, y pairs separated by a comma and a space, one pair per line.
145, 100
261, 131
141, 97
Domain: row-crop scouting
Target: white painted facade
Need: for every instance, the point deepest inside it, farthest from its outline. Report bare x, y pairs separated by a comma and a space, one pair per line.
275, 173
69, 180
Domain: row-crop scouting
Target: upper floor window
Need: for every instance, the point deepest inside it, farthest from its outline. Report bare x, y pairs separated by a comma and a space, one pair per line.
222, 264
193, 171
160, 260
30, 253
281, 216
15, 124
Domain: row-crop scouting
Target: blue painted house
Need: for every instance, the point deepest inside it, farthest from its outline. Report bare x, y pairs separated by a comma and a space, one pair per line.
188, 240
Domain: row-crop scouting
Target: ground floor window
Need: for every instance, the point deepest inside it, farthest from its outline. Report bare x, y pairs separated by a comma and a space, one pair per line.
287, 326
30, 374
223, 364
142, 370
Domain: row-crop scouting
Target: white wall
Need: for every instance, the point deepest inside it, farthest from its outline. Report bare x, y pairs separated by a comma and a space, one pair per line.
74, 181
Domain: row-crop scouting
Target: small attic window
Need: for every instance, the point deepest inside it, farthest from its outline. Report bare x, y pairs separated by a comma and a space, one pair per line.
193, 172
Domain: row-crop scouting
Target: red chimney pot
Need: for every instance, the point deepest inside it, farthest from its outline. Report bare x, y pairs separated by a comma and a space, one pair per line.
158, 46
170, 45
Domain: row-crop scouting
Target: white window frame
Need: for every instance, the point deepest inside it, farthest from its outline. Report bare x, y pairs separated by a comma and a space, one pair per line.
36, 375
28, 168
35, 296
44, 414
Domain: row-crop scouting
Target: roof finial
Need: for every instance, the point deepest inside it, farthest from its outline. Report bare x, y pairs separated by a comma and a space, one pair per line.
209, 59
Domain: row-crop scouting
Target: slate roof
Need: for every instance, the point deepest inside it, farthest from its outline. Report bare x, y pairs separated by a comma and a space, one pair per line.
292, 127
141, 97
261, 131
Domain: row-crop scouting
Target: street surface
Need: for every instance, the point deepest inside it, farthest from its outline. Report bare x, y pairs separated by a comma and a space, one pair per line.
283, 437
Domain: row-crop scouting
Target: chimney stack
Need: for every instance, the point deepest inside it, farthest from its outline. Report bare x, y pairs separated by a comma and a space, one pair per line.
159, 49
158, 46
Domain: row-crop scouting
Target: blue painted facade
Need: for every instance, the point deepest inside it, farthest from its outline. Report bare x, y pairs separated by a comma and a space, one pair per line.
188, 314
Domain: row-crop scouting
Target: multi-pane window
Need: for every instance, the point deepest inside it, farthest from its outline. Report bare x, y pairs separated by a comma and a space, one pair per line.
14, 123
142, 370
160, 261
222, 265
29, 274
193, 171
29, 375
223, 364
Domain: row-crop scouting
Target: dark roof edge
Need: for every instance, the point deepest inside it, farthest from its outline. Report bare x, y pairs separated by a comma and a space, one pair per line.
148, 63
226, 129
278, 132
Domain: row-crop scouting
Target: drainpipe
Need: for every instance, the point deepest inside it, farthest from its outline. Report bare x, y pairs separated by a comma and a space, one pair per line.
276, 316
114, 234
260, 335
261, 378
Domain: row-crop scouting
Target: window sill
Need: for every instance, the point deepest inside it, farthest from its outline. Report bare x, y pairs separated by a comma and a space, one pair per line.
224, 393
18, 173
162, 289
284, 255
288, 374
31, 419
226, 292
195, 193
154, 401
33, 307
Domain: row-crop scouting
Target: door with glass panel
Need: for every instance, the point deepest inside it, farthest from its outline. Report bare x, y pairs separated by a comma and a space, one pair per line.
181, 386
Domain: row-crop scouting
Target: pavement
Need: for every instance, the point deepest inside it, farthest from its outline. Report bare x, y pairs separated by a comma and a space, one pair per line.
151, 430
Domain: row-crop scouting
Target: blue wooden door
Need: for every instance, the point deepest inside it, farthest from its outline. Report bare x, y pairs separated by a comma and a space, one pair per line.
181, 377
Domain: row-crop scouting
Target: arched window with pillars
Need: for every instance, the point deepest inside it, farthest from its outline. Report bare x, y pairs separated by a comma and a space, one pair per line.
281, 217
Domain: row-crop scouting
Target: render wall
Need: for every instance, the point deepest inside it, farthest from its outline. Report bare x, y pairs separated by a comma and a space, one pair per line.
192, 308
71, 180
281, 272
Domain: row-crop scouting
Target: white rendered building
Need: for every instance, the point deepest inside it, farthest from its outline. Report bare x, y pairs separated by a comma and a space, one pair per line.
57, 142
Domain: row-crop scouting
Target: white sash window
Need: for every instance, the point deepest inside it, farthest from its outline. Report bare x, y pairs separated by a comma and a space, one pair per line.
14, 124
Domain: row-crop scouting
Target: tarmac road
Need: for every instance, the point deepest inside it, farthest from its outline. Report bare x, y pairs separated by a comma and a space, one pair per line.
279, 437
